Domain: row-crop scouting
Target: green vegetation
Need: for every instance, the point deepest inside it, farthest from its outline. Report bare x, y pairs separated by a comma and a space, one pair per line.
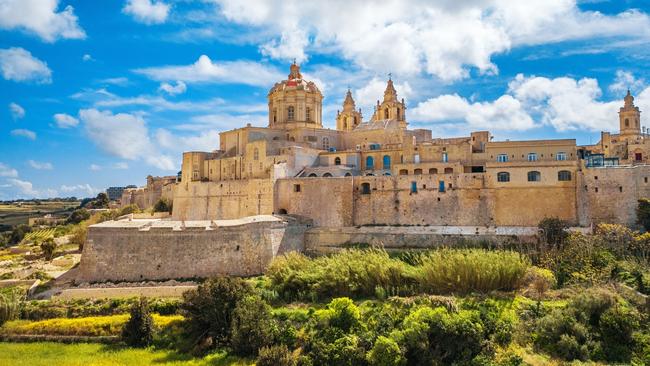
138, 331
48, 247
162, 205
9, 305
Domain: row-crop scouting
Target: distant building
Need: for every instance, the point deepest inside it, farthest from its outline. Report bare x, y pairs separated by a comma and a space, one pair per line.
115, 193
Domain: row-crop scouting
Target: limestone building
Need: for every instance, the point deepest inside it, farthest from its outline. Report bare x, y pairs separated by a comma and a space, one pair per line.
380, 172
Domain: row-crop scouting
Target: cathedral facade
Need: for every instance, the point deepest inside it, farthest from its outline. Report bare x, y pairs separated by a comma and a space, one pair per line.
380, 172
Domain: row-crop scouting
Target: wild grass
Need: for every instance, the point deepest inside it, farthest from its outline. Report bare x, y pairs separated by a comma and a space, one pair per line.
88, 326
372, 272
85, 354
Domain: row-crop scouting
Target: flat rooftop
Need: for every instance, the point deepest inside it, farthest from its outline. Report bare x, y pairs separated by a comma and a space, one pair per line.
146, 224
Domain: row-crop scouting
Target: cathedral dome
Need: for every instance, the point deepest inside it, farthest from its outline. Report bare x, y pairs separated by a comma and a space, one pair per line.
295, 82
295, 102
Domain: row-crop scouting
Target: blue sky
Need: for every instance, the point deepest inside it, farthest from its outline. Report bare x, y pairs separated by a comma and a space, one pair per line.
103, 93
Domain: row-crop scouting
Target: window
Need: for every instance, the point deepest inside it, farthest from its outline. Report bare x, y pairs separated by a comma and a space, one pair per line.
532, 156
348, 174
564, 175
327, 175
433, 171
312, 175
275, 113
370, 162
445, 157
386, 113
417, 172
449, 170
296, 187
326, 143
355, 120
627, 122
403, 172
503, 177
365, 188
534, 176
502, 158
386, 161
308, 114
414, 187
638, 156
256, 154
345, 125
290, 113
398, 114
337, 161
560, 156
441, 186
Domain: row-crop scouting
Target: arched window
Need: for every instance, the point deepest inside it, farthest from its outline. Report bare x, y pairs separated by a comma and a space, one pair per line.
534, 176
308, 114
326, 143
313, 175
348, 174
445, 157
627, 122
386, 161
449, 170
403, 172
386, 113
337, 161
503, 177
564, 175
417, 172
398, 114
355, 120
256, 154
370, 162
365, 188
345, 125
290, 113
433, 171
282, 211
327, 175
275, 114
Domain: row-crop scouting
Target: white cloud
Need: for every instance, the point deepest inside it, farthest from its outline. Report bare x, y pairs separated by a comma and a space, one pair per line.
40, 165
65, 120
7, 171
123, 135
443, 38
626, 81
205, 141
80, 190
179, 88
17, 112
95, 167
206, 71
119, 81
147, 11
24, 187
121, 165
87, 57
505, 113
19, 65
21, 132
104, 98
41, 18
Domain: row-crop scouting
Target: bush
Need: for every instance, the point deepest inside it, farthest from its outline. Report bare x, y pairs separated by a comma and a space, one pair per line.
138, 331
341, 313
554, 231
471, 270
252, 326
643, 213
617, 325
129, 209
162, 205
385, 352
560, 334
10, 305
48, 247
539, 281
209, 308
276, 356
18, 234
78, 216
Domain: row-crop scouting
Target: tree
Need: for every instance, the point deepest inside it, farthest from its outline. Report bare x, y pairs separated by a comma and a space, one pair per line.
101, 201
385, 352
643, 213
163, 205
553, 231
18, 234
252, 326
78, 216
138, 331
48, 246
209, 308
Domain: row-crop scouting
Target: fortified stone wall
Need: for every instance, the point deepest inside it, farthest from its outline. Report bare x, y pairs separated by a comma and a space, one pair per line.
223, 200
158, 250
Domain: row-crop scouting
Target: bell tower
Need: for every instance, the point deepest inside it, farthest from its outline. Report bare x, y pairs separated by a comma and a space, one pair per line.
350, 118
629, 118
391, 108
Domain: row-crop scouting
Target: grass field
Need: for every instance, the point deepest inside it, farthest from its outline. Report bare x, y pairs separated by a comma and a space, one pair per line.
86, 354
15, 214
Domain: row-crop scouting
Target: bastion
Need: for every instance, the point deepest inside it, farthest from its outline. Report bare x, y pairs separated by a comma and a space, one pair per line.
154, 249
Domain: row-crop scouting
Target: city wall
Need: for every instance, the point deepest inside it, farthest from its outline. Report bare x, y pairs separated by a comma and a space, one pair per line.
158, 250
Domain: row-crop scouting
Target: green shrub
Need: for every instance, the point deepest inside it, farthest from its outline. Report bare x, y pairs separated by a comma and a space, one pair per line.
209, 308
48, 247
276, 356
643, 213
561, 335
129, 209
617, 325
554, 231
162, 205
78, 216
252, 326
342, 351
18, 234
471, 270
10, 305
385, 352
138, 330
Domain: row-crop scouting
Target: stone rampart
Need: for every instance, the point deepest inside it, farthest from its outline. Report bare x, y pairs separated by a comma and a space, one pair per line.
157, 250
